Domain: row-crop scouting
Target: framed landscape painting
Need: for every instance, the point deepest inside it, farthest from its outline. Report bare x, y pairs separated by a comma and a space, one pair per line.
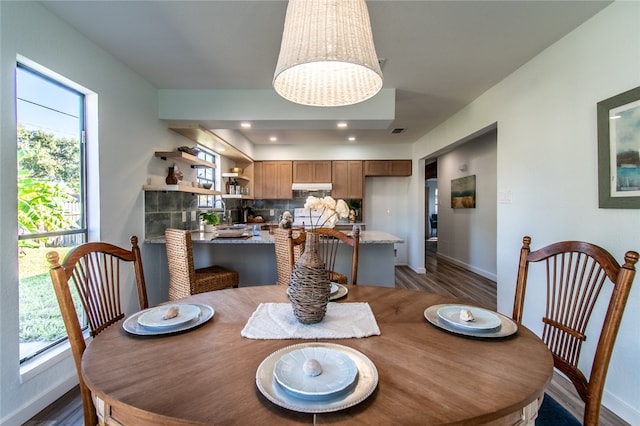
463, 192
619, 151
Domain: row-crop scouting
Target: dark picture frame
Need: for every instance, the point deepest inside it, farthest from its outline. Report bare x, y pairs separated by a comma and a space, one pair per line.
619, 151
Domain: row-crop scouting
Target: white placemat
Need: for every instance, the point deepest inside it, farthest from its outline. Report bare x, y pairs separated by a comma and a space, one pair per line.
342, 321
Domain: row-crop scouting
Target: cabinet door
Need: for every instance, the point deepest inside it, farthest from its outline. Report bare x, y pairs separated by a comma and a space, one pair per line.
356, 180
340, 179
387, 168
376, 168
400, 167
311, 171
321, 171
302, 172
269, 179
257, 180
347, 179
284, 178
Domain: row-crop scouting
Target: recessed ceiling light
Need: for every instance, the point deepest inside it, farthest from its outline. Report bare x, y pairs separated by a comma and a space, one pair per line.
273, 139
342, 125
245, 125
352, 138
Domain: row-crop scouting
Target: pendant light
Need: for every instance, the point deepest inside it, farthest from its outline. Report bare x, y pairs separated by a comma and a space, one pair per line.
327, 57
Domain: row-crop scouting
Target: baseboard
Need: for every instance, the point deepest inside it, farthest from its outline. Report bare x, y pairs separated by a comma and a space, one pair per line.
621, 409
27, 411
481, 272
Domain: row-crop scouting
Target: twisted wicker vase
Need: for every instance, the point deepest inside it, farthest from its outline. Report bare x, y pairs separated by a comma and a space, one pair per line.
309, 287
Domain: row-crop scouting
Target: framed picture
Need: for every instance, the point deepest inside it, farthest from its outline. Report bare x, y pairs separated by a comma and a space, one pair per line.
463, 192
619, 151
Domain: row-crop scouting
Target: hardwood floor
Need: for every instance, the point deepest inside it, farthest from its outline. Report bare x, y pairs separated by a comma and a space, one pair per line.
442, 277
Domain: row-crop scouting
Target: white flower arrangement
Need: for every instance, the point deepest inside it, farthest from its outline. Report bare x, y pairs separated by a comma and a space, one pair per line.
332, 210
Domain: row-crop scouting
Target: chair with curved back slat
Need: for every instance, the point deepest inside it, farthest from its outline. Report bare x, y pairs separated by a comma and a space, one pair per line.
184, 279
328, 243
94, 270
576, 274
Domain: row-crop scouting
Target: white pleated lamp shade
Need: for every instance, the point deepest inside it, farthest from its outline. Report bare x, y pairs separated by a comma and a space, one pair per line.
327, 56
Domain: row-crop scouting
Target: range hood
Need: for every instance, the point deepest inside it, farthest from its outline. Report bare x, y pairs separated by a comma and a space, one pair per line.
311, 186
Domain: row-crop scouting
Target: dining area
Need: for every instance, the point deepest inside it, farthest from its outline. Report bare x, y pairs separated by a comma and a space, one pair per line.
412, 366
347, 353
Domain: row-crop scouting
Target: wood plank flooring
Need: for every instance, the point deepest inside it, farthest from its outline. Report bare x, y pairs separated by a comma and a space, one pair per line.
442, 277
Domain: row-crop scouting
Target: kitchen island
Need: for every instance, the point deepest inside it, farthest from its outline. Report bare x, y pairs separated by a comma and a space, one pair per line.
255, 260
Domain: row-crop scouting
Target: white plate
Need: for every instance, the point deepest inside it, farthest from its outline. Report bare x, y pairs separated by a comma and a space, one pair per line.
334, 288
484, 319
131, 325
153, 317
342, 291
338, 372
363, 387
507, 327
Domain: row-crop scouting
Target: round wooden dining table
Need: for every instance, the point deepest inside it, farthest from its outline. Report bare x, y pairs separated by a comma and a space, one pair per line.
426, 375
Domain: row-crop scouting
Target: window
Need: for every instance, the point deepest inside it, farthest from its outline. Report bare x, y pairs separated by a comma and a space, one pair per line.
207, 175
51, 199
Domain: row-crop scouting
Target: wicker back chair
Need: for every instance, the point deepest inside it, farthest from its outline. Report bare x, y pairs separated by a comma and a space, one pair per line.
576, 272
94, 270
184, 279
283, 262
328, 243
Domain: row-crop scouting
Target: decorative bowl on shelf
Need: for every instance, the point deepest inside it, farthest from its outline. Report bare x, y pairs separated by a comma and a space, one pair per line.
207, 185
189, 150
236, 170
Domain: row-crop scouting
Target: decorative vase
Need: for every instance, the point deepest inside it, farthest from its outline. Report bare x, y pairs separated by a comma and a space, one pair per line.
171, 179
309, 286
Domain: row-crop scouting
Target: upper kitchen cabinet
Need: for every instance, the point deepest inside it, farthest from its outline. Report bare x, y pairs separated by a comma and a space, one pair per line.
347, 179
311, 171
387, 168
273, 179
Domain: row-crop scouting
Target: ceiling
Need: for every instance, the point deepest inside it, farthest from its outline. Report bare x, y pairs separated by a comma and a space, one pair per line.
439, 55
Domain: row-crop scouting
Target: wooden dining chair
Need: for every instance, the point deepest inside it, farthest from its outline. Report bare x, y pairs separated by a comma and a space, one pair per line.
184, 279
577, 275
328, 243
94, 270
282, 250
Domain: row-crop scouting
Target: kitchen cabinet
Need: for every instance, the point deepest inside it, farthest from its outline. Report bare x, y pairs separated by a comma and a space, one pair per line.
273, 179
347, 179
311, 171
387, 168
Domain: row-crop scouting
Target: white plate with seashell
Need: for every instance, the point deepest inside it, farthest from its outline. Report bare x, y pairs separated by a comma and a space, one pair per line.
168, 315
478, 318
131, 324
314, 372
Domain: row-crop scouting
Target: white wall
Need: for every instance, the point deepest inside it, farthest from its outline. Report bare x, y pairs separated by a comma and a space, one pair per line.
129, 132
547, 157
468, 236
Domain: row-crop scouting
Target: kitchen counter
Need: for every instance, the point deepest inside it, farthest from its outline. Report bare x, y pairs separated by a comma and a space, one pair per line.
254, 257
366, 237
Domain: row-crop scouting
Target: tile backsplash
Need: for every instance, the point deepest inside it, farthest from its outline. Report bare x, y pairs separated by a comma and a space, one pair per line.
164, 209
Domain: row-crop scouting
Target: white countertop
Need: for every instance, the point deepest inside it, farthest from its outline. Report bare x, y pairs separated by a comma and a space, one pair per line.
366, 237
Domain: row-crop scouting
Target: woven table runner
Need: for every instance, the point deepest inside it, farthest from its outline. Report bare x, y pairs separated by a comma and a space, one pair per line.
342, 321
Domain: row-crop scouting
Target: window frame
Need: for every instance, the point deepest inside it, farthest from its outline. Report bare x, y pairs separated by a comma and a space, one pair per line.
83, 196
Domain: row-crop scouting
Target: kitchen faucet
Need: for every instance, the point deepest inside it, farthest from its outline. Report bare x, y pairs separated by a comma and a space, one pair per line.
224, 207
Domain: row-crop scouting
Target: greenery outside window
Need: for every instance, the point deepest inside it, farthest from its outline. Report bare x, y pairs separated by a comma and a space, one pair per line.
51, 199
